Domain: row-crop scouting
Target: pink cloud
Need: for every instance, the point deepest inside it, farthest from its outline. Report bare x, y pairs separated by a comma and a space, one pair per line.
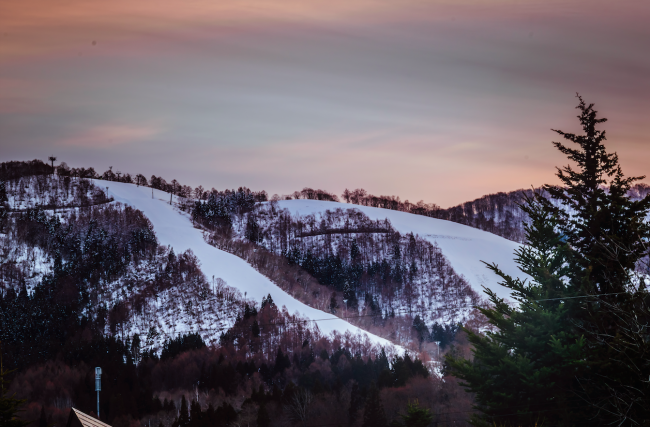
107, 136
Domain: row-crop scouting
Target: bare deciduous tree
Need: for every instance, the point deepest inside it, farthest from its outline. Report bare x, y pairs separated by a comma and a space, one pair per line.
299, 405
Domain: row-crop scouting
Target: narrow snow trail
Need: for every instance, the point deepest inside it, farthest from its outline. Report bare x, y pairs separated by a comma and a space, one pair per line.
464, 246
175, 229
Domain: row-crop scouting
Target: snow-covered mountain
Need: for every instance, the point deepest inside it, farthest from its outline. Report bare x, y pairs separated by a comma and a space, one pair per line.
462, 247
465, 247
174, 228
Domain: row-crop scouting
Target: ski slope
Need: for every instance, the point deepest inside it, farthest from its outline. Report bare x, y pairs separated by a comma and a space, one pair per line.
465, 247
175, 229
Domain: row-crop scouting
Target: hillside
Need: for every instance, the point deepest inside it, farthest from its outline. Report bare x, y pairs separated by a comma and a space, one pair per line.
440, 288
112, 274
465, 247
99, 273
404, 277
174, 228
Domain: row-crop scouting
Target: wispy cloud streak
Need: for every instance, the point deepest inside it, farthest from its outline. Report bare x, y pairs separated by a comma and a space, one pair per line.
440, 100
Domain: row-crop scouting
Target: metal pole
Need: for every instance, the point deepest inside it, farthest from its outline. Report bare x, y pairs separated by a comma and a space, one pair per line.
98, 385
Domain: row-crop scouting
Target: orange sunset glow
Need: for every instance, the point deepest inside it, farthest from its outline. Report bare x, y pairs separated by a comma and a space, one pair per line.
437, 100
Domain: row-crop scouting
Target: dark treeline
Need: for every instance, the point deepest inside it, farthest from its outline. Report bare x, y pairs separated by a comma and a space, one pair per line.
141, 386
17, 169
311, 194
176, 188
497, 213
135, 389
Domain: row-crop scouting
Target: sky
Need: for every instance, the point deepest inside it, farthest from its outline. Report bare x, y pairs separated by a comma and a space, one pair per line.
441, 101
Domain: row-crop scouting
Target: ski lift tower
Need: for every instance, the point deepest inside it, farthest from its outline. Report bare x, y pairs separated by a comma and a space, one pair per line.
98, 385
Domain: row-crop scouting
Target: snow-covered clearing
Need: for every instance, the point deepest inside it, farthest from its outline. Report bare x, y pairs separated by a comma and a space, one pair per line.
175, 229
465, 247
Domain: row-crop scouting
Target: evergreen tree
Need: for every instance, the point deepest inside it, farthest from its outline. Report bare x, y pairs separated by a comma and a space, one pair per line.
333, 303
183, 416
9, 405
354, 251
255, 329
420, 328
605, 228
349, 295
515, 375
196, 415
42, 420
282, 362
252, 231
356, 401
416, 416
267, 301
444, 335
174, 346
263, 418
373, 414
397, 252
3, 204
608, 233
3, 193
552, 353
135, 348
413, 270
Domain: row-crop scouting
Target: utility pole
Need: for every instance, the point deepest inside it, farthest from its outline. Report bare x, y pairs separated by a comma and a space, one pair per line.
98, 385
52, 159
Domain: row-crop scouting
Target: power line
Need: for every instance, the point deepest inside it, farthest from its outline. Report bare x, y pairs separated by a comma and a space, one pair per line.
579, 296
402, 311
